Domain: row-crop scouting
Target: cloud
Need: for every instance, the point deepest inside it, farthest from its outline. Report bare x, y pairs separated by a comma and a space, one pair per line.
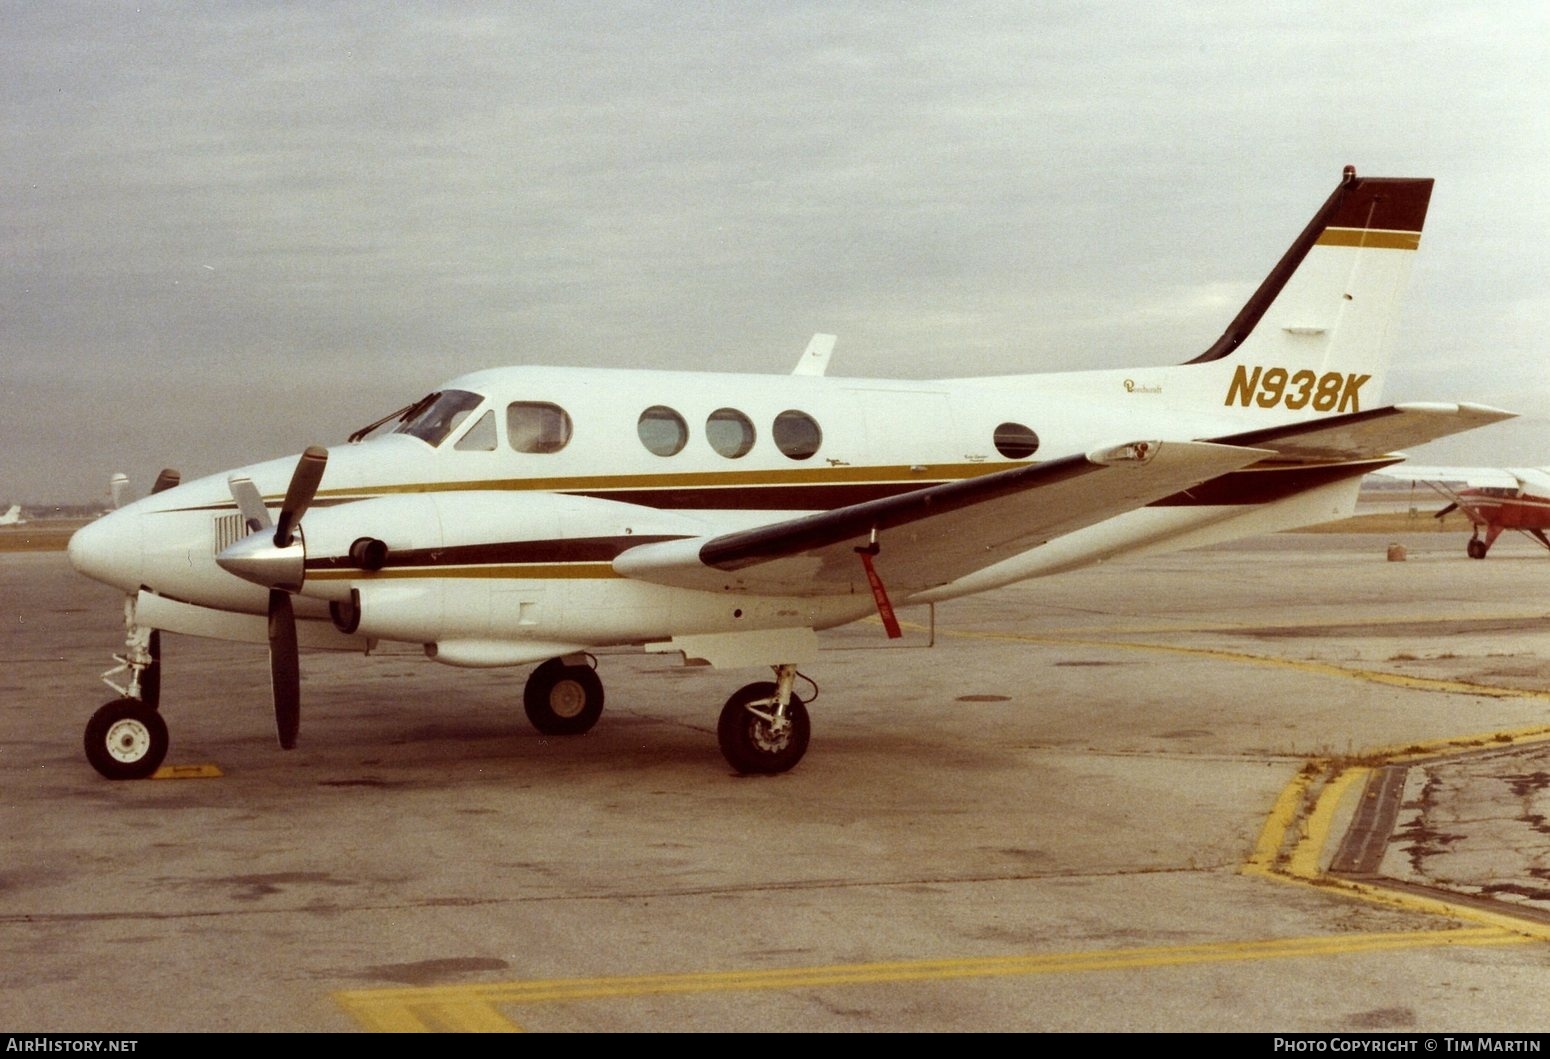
267, 223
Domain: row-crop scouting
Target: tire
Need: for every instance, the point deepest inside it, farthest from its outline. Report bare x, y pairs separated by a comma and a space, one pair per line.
126, 740
1475, 548
563, 700
746, 740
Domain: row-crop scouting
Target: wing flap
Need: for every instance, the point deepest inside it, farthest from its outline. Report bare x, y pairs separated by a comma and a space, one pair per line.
935, 535
1365, 435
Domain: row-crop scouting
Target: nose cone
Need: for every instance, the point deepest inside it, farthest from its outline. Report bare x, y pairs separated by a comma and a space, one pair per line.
111, 550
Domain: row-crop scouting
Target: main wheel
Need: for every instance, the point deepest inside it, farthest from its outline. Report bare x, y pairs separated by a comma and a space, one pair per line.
563, 700
1475, 548
126, 740
750, 743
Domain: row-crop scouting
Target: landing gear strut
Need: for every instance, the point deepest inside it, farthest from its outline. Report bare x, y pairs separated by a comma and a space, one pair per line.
764, 727
127, 739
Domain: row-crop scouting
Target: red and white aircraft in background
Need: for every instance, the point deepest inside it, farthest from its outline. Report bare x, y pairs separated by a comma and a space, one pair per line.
532, 514
1494, 499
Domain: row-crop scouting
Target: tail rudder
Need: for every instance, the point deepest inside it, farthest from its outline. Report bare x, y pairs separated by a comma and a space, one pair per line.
1315, 337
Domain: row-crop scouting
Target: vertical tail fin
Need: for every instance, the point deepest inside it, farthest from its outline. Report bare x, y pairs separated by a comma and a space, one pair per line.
1329, 306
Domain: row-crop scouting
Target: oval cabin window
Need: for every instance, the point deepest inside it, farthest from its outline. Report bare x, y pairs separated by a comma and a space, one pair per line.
1015, 441
797, 434
662, 430
729, 432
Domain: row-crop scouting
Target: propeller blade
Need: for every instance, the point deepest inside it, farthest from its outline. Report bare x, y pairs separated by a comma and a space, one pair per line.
166, 480
1447, 510
284, 667
118, 485
250, 502
304, 486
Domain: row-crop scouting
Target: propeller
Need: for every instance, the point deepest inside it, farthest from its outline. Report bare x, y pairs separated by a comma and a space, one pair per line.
1446, 511
273, 556
118, 485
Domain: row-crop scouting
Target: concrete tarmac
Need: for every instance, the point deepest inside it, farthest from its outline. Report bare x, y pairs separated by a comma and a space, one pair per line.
1285, 785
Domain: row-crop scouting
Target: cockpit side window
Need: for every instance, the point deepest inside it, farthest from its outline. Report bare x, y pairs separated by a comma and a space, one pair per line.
537, 426
434, 420
481, 436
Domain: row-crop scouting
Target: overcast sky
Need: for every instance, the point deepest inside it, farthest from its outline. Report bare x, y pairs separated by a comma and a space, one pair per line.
233, 230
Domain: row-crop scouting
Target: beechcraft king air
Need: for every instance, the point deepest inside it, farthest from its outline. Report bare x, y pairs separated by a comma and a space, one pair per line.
529, 514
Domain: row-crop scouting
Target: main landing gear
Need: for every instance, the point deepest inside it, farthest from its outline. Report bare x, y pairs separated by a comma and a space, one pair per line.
764, 727
127, 739
564, 697
1476, 548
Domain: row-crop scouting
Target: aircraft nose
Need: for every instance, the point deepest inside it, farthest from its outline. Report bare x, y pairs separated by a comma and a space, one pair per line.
110, 550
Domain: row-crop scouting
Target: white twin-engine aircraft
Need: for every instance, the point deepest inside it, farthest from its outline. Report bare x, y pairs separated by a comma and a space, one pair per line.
537, 514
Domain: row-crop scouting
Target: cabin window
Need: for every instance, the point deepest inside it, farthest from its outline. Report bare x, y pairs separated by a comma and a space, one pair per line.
438, 416
537, 426
662, 430
481, 436
1015, 441
729, 432
797, 434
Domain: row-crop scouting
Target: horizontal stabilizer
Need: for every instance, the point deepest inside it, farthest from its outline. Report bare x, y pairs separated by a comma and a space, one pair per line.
932, 536
1366, 435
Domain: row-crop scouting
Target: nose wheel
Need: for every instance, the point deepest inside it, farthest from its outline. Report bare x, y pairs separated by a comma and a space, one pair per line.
126, 740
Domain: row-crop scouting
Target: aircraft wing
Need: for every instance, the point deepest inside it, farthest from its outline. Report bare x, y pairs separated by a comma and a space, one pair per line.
1364, 435
1463, 477
937, 534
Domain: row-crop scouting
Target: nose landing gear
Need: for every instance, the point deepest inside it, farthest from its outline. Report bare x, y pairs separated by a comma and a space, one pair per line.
127, 739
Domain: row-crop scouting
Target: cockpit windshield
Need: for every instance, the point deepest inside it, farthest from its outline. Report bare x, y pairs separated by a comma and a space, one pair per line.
431, 419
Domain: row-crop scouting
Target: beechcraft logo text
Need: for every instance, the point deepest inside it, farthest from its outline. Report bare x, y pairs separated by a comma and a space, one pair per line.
1269, 387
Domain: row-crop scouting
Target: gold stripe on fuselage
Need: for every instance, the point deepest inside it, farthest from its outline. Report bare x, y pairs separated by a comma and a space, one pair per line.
507, 571
919, 474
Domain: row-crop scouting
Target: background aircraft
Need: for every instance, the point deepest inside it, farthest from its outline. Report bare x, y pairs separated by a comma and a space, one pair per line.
13, 516
534, 514
1492, 498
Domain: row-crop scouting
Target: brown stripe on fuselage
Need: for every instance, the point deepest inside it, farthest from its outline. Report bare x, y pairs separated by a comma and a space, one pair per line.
1258, 484
590, 556
504, 553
